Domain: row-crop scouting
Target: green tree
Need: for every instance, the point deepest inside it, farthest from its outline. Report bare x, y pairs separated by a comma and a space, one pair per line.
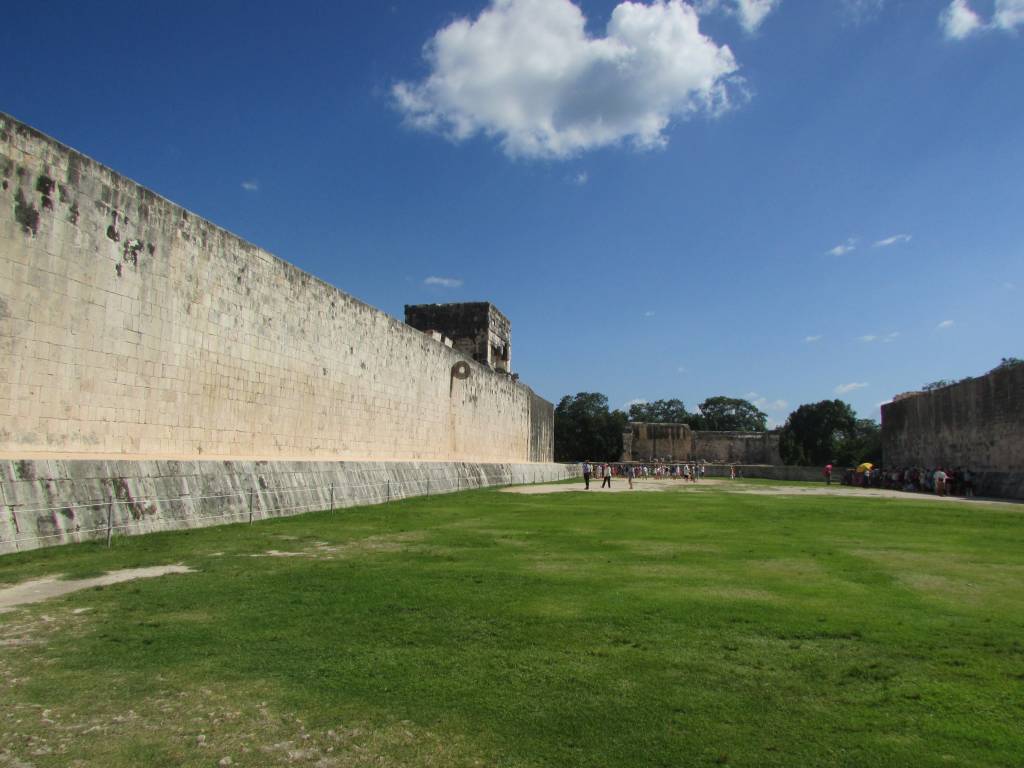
813, 433
660, 412
732, 414
586, 429
1008, 362
863, 443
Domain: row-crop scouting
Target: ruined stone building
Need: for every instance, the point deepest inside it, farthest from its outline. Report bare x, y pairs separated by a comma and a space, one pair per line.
677, 442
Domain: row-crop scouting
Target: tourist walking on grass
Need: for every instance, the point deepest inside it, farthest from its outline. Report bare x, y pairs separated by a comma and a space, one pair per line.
607, 470
630, 474
586, 476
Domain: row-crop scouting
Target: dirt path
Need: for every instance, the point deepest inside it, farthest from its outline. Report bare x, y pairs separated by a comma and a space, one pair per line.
620, 485
38, 590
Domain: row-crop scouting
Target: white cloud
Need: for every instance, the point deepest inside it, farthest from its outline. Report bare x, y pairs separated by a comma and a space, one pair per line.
443, 282
251, 185
886, 339
944, 325
892, 241
681, 369
843, 248
581, 178
844, 389
753, 12
862, 10
959, 20
812, 339
750, 13
1009, 14
649, 313
527, 73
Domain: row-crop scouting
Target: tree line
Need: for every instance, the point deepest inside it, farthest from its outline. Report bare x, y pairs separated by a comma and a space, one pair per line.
814, 434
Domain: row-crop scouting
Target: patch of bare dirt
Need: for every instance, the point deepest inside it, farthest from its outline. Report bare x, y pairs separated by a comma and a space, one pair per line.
322, 550
38, 590
619, 485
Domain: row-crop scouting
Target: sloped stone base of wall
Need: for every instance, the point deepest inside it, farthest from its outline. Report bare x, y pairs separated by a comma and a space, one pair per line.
49, 502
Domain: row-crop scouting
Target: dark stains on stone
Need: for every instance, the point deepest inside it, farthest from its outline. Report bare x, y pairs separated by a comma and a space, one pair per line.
25, 470
44, 186
73, 213
5, 185
69, 514
113, 234
74, 174
122, 493
132, 249
25, 214
118, 269
62, 193
151, 248
262, 481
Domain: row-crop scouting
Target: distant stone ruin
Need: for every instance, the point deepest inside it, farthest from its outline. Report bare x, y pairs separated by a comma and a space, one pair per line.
677, 442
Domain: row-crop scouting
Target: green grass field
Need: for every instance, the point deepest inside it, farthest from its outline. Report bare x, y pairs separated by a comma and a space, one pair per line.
693, 628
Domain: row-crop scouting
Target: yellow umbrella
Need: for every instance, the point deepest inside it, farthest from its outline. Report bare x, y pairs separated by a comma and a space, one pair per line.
865, 467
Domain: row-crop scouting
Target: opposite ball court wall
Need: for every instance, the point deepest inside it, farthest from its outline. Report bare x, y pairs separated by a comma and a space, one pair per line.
129, 326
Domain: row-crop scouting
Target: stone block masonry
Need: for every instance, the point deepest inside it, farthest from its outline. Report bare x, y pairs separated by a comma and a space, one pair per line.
677, 442
131, 327
50, 502
977, 424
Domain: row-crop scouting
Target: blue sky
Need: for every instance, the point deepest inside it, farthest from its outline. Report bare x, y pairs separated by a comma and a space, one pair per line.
779, 199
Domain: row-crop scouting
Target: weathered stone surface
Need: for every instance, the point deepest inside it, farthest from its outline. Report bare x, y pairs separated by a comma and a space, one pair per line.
44, 503
130, 326
977, 424
677, 442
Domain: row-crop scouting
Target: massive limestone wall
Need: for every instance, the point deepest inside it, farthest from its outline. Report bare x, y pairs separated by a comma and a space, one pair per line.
977, 424
677, 442
130, 326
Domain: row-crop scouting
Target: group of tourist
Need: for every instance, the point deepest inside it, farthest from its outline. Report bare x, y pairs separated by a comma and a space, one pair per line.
942, 481
688, 472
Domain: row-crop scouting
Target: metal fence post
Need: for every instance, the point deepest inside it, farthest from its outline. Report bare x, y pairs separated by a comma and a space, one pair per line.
389, 489
332, 497
110, 522
250, 506
428, 485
